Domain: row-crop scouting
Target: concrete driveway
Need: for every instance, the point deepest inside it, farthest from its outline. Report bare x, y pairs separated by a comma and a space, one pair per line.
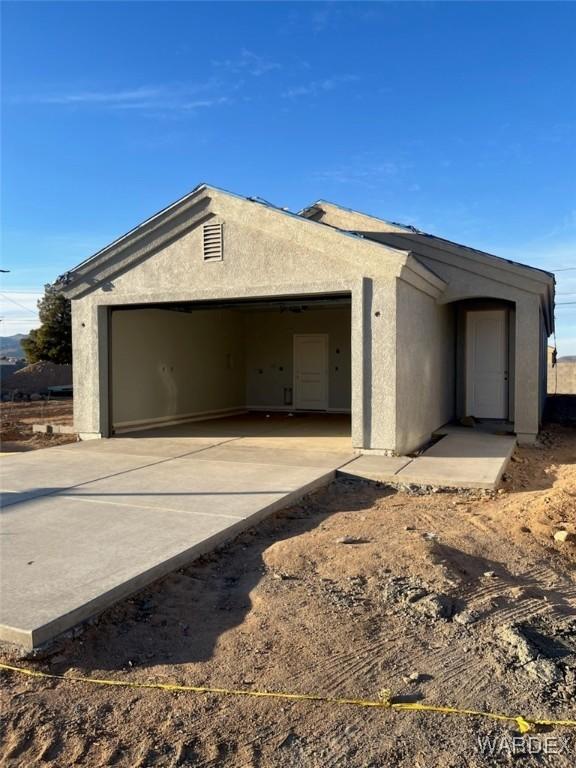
84, 525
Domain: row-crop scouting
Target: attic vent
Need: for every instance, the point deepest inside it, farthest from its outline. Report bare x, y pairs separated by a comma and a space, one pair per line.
212, 242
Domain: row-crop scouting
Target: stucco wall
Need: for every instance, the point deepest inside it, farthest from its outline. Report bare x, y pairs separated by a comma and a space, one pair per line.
261, 248
166, 364
562, 376
425, 373
475, 276
464, 284
269, 354
543, 366
266, 254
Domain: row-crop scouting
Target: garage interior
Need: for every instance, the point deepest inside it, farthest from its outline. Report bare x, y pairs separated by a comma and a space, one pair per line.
177, 364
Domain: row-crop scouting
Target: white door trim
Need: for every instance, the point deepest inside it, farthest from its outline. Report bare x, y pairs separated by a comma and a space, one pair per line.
487, 390
321, 404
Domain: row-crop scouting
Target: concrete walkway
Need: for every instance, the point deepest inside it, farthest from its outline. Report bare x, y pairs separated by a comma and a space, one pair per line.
462, 458
87, 524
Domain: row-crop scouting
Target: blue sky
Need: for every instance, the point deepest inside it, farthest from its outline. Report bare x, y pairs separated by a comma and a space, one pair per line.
459, 118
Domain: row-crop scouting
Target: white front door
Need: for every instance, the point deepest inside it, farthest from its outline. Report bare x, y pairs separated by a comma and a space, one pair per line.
487, 364
311, 371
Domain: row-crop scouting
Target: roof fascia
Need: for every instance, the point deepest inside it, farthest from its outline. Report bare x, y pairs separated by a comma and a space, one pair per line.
319, 203
542, 282
469, 252
541, 275
531, 279
134, 247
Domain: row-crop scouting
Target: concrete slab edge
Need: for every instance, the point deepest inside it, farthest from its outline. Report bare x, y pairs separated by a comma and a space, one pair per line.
374, 477
396, 480
505, 463
33, 638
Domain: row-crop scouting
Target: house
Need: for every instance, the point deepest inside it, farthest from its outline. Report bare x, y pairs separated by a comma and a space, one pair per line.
220, 304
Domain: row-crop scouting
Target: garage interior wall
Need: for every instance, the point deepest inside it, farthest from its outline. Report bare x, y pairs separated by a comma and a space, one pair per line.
270, 358
168, 365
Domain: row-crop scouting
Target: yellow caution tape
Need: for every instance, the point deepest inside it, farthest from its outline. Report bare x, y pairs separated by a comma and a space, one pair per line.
523, 724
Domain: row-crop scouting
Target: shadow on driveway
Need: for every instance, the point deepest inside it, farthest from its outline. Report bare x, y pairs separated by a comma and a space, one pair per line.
180, 619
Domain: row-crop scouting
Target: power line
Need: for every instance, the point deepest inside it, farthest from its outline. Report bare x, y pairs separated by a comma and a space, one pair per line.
17, 304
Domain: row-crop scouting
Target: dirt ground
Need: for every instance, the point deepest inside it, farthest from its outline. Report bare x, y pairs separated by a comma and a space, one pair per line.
461, 599
16, 421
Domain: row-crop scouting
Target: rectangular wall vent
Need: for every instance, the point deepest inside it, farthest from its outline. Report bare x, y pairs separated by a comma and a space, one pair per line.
213, 250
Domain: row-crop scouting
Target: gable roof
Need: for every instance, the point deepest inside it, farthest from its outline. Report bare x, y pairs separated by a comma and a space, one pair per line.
178, 218
401, 240
320, 208
349, 218
430, 247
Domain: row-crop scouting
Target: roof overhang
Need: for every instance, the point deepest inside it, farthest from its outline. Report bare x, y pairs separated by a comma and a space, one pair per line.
195, 208
409, 238
522, 276
138, 243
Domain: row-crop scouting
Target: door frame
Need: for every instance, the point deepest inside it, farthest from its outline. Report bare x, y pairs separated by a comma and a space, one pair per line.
326, 338
469, 359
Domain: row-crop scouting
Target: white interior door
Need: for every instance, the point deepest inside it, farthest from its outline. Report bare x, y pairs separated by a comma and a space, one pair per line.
311, 371
487, 364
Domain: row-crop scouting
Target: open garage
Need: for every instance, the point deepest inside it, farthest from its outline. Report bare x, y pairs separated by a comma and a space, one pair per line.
220, 305
174, 363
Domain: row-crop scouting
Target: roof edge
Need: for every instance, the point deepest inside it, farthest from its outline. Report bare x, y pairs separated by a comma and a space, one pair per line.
321, 201
65, 278
71, 280
408, 229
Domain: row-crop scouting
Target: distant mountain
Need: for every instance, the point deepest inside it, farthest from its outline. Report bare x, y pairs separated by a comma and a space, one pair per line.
567, 359
10, 346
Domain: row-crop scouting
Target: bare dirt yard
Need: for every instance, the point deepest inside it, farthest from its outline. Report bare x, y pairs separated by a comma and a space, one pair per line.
16, 420
461, 599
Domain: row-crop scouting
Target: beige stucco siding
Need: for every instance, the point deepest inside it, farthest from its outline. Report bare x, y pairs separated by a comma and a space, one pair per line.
261, 248
379, 384
401, 352
265, 254
543, 366
425, 371
562, 376
463, 283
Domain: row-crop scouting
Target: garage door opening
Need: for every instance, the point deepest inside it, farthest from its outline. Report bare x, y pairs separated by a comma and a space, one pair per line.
285, 363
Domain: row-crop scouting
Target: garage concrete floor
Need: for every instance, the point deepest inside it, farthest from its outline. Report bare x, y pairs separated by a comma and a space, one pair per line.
86, 524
